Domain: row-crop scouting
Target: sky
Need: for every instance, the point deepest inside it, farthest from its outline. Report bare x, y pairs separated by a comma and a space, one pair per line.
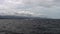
35, 8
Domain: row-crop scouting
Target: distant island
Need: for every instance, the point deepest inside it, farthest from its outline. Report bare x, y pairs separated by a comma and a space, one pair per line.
21, 17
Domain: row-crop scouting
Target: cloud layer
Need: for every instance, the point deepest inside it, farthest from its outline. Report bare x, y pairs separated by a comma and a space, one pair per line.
46, 8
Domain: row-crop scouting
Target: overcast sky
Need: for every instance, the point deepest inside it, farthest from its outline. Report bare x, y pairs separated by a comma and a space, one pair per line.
46, 8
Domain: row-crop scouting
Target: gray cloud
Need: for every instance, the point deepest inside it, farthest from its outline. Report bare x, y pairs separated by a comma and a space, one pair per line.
48, 8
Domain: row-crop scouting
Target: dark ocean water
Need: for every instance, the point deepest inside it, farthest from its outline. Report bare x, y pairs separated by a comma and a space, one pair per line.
29, 26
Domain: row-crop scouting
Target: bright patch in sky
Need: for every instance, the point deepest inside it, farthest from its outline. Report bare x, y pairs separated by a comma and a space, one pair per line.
36, 8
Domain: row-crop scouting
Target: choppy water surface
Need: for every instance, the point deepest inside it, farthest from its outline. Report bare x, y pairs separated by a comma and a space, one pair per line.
29, 26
